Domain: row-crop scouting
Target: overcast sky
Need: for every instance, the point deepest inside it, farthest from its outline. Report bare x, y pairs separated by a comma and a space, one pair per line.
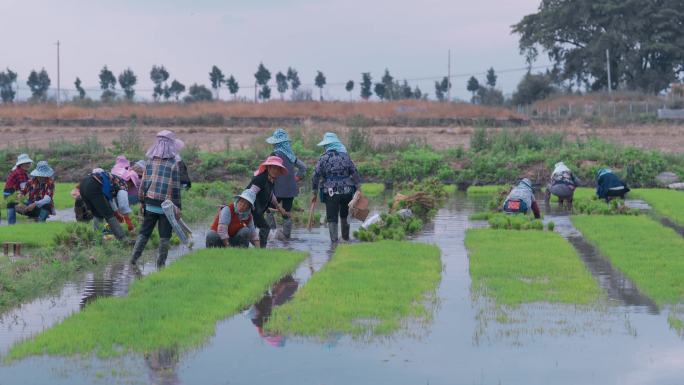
342, 38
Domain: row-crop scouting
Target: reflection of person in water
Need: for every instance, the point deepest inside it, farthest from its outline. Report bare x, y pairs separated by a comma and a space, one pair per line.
162, 364
280, 293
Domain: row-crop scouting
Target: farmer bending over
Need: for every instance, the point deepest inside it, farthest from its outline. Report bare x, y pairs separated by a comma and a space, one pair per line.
609, 186
106, 197
262, 185
234, 224
521, 199
562, 184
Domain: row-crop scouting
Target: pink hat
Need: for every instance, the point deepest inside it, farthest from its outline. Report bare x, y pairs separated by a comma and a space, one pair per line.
121, 166
132, 176
272, 161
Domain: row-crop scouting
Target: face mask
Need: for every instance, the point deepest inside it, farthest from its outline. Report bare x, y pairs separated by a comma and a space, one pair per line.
242, 215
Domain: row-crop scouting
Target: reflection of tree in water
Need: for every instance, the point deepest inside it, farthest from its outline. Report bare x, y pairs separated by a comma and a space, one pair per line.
163, 364
281, 292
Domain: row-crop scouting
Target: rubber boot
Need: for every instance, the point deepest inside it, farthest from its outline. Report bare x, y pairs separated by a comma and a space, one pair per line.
139, 247
164, 245
97, 224
332, 228
287, 228
345, 230
116, 228
270, 219
263, 236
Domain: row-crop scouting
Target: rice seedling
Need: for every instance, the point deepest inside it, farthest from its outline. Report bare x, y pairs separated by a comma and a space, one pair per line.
366, 289
62, 196
595, 206
486, 190
666, 203
580, 193
177, 307
647, 252
372, 190
516, 267
514, 222
391, 227
32, 234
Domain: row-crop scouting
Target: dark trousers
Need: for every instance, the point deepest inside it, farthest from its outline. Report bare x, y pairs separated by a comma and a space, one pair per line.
286, 203
94, 199
337, 206
151, 219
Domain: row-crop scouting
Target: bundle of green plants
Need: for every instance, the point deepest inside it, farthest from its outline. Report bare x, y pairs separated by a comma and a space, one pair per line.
372, 190
390, 227
432, 186
77, 236
514, 267
647, 252
177, 307
366, 289
514, 222
666, 203
595, 206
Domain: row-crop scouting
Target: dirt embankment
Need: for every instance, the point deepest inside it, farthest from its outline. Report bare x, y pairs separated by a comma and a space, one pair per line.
666, 138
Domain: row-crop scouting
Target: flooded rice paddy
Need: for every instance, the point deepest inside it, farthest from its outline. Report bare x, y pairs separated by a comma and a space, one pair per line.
625, 338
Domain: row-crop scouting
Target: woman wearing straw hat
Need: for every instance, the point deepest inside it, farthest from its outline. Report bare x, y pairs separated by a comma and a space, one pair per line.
338, 180
262, 185
40, 191
16, 181
285, 188
160, 181
234, 224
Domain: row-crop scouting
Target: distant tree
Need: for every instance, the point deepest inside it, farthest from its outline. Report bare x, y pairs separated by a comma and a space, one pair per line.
198, 93
262, 76
388, 81
446, 85
380, 90
81, 91
217, 78
349, 87
320, 83
488, 97
293, 78
127, 80
417, 93
166, 92
439, 94
281, 84
366, 84
176, 89
39, 83
107, 85
7, 91
533, 87
233, 86
406, 91
491, 77
473, 85
159, 75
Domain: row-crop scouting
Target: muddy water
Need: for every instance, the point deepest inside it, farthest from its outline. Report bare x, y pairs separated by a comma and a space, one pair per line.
616, 341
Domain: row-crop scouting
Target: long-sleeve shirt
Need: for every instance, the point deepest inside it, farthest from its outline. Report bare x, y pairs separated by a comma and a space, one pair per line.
230, 223
336, 170
286, 185
16, 180
263, 188
40, 193
160, 181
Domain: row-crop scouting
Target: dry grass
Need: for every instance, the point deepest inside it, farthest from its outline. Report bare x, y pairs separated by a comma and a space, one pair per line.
272, 109
621, 97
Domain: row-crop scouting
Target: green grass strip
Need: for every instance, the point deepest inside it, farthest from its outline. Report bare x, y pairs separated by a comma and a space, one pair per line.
580, 193
62, 196
32, 234
485, 190
647, 252
372, 190
667, 203
516, 267
176, 307
365, 288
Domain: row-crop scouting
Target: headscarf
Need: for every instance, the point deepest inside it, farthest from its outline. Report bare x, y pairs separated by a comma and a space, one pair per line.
166, 146
243, 216
335, 146
526, 184
286, 149
559, 168
603, 172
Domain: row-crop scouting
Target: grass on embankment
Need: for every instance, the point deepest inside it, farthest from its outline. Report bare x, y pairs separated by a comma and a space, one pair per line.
667, 203
485, 190
650, 254
176, 307
372, 190
365, 288
62, 196
516, 267
32, 234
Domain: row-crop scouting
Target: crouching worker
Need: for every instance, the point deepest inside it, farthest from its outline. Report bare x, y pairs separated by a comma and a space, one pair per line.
40, 191
17, 180
160, 181
609, 186
105, 195
521, 199
563, 184
234, 225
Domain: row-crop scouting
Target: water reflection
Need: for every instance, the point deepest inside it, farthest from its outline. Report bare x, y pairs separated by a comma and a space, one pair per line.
163, 366
280, 293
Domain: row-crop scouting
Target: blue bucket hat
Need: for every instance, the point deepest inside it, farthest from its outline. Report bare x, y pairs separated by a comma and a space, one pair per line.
42, 169
329, 138
279, 136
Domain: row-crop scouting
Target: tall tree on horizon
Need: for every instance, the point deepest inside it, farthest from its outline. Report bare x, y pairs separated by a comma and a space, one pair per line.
216, 78
233, 86
39, 83
281, 84
159, 75
79, 88
262, 76
349, 87
127, 80
320, 83
7, 91
293, 78
366, 84
107, 85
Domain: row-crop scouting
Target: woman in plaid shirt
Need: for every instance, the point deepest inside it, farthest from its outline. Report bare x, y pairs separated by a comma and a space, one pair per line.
160, 181
16, 181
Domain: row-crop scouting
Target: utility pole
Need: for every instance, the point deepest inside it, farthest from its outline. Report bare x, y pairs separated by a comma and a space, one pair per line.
449, 77
58, 85
610, 83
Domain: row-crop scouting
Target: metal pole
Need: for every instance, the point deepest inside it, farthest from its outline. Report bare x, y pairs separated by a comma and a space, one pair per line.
610, 83
449, 77
58, 84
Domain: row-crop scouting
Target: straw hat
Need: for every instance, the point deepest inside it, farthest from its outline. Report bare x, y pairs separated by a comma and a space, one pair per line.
43, 169
272, 161
279, 136
22, 159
